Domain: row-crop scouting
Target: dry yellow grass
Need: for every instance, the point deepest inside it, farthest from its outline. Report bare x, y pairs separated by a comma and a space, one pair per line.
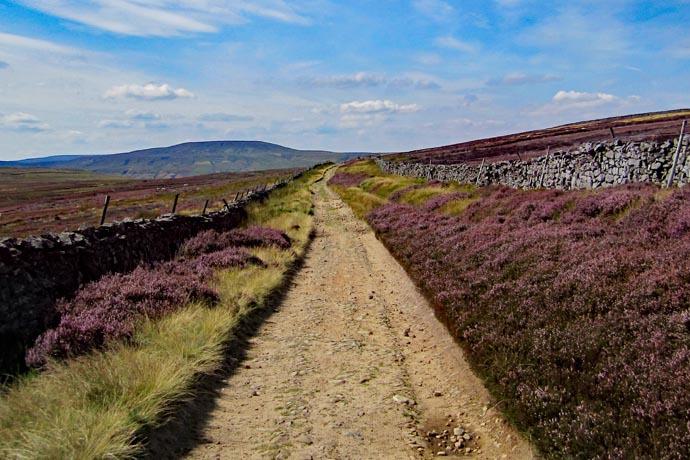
385, 186
360, 201
456, 207
92, 406
376, 190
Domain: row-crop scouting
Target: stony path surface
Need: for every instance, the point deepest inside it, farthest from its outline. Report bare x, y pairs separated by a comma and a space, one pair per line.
354, 365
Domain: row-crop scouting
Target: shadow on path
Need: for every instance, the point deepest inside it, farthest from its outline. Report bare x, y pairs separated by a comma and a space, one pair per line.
185, 421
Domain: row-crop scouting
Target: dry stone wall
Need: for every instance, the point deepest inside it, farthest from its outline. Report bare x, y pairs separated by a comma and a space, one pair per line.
590, 166
36, 271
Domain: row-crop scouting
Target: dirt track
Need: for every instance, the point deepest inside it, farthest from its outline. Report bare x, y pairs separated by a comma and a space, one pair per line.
328, 374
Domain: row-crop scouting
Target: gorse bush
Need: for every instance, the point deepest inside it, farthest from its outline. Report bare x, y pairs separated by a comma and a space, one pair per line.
573, 306
110, 308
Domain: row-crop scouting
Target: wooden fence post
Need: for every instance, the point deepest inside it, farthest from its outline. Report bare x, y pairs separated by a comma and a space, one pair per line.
237, 196
613, 135
675, 156
105, 209
203, 213
227, 206
481, 169
543, 169
174, 208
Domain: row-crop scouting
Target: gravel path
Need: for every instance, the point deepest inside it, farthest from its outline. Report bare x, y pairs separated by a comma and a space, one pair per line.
354, 365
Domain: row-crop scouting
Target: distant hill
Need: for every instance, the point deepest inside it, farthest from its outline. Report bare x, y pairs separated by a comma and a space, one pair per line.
189, 159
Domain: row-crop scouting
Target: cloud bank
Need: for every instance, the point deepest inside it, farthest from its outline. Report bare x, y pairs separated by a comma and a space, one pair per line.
147, 92
377, 106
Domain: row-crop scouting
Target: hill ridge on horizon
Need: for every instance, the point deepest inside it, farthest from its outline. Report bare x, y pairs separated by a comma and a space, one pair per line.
189, 159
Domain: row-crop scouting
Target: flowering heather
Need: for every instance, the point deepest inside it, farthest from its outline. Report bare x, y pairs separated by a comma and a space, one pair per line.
210, 240
573, 306
259, 236
109, 309
439, 201
345, 179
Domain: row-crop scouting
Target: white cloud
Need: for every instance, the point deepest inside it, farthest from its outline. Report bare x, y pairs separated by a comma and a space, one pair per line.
580, 99
377, 106
21, 121
141, 115
149, 92
456, 44
223, 117
360, 114
73, 136
364, 79
166, 17
585, 104
519, 79
34, 44
116, 124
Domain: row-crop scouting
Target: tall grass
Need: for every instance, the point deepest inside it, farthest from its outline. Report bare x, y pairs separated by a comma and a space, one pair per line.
94, 405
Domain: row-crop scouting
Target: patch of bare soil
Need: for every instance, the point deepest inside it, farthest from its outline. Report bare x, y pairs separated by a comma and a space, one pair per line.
354, 365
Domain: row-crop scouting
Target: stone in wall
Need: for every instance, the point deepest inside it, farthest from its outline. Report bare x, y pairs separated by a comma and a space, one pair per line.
36, 271
589, 166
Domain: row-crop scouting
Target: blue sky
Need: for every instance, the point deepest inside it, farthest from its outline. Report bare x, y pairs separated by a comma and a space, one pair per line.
114, 75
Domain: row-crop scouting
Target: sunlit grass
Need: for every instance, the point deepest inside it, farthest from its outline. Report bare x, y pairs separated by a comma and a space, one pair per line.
420, 196
378, 190
92, 406
385, 186
457, 207
362, 167
360, 201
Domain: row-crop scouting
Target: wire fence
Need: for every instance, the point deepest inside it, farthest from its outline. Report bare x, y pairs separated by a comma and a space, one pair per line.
239, 196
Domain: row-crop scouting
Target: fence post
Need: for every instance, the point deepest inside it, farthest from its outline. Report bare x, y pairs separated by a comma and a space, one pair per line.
174, 208
543, 169
203, 213
237, 196
613, 135
105, 209
481, 169
227, 206
675, 156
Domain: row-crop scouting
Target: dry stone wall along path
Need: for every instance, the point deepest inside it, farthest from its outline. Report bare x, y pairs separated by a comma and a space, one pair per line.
353, 365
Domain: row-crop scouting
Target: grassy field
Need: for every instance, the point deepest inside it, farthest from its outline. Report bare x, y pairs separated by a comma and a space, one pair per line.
93, 406
37, 201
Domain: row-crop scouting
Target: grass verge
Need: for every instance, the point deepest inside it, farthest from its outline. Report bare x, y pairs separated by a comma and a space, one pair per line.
96, 406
